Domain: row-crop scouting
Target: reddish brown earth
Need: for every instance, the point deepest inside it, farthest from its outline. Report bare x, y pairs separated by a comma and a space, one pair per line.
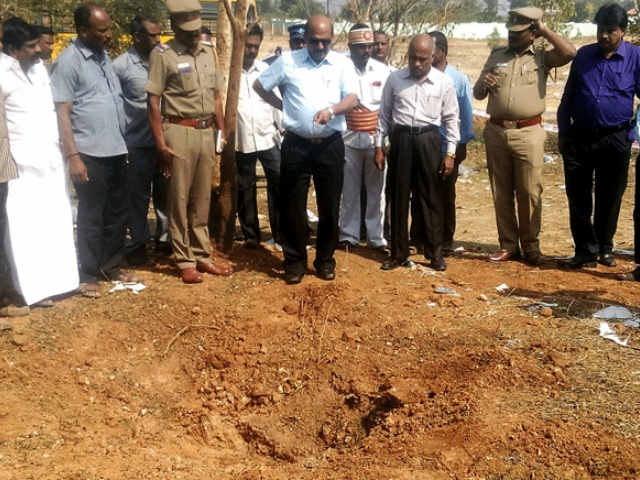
373, 375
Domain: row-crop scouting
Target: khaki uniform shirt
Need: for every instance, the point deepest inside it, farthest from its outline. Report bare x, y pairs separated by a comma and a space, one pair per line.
8, 167
522, 86
184, 81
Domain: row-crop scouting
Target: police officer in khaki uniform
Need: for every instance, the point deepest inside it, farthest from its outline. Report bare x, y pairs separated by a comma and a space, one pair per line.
515, 78
183, 74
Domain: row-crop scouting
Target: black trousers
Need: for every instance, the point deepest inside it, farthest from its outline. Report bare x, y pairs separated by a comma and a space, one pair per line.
247, 191
5, 268
102, 217
143, 173
414, 163
303, 159
596, 168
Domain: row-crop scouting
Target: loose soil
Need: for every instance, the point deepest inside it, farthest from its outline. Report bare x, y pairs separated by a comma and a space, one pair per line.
373, 375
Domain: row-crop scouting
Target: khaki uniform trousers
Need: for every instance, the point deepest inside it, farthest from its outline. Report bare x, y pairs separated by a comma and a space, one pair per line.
514, 160
190, 193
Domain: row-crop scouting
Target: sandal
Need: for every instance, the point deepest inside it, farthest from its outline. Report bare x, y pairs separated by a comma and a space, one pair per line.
632, 276
90, 290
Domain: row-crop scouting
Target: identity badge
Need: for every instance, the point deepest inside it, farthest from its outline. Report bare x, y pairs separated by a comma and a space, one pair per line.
184, 68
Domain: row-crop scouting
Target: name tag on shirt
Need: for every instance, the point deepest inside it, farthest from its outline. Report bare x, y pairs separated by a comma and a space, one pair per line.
184, 68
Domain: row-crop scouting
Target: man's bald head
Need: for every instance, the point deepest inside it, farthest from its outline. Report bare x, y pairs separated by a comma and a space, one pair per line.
318, 22
318, 35
423, 41
421, 50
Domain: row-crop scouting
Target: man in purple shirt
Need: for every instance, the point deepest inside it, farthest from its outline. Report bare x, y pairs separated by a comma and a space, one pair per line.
595, 135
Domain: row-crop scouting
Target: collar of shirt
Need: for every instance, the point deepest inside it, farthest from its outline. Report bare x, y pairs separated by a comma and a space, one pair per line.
181, 49
136, 58
529, 51
329, 59
257, 66
87, 52
406, 73
11, 64
622, 51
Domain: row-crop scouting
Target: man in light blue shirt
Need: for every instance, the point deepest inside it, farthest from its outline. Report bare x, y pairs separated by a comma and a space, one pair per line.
91, 118
465, 106
132, 68
319, 88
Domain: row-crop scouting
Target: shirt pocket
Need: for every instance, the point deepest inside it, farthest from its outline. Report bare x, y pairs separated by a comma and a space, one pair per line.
188, 81
530, 74
502, 73
210, 80
624, 82
430, 103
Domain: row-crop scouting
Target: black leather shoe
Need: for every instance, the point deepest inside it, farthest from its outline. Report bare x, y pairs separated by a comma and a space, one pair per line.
293, 278
439, 265
393, 264
607, 259
327, 275
535, 258
580, 261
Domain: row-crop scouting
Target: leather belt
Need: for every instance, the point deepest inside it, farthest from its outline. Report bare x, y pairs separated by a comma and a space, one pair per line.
415, 130
529, 122
316, 141
197, 123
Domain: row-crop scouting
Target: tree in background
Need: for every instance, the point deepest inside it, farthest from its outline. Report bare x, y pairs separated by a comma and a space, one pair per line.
58, 14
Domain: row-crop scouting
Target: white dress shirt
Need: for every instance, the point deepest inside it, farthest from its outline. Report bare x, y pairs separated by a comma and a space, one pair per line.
407, 101
257, 120
371, 83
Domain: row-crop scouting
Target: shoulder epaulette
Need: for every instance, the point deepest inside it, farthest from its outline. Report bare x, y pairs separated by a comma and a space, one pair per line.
499, 47
207, 42
162, 47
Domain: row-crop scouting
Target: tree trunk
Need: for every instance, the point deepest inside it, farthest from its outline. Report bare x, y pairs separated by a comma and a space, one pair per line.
222, 221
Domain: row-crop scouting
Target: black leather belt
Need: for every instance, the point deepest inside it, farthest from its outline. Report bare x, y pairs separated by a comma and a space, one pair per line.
316, 141
415, 130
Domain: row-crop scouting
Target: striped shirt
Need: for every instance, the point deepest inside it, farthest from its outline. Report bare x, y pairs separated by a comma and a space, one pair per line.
89, 81
8, 168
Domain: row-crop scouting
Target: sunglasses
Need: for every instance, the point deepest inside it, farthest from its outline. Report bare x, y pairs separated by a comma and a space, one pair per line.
326, 42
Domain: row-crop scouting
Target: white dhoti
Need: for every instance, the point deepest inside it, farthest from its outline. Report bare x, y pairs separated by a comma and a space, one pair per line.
39, 224
40, 234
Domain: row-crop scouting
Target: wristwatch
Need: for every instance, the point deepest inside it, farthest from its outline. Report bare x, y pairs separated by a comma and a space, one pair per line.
332, 113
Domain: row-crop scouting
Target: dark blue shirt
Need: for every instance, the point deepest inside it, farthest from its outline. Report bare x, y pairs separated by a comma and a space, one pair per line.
599, 92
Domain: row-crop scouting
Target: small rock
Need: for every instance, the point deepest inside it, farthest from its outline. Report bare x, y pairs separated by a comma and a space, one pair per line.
217, 361
560, 360
482, 297
20, 340
560, 376
196, 310
5, 325
546, 312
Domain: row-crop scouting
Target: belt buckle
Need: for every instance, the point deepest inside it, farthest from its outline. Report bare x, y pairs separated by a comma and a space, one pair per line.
416, 129
510, 123
317, 140
203, 123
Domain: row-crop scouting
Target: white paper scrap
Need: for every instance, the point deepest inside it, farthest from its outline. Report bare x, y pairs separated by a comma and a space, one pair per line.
614, 312
503, 288
136, 288
609, 334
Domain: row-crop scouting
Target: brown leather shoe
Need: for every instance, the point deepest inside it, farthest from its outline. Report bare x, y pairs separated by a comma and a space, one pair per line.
504, 256
214, 269
535, 258
191, 275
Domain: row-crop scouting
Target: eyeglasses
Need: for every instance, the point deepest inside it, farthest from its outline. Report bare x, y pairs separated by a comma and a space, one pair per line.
326, 42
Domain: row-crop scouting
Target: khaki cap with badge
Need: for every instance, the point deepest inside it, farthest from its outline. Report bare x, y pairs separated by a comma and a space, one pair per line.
186, 14
522, 18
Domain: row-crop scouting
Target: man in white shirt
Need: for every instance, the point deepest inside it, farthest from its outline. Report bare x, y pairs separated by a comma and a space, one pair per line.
416, 100
257, 140
37, 200
360, 170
